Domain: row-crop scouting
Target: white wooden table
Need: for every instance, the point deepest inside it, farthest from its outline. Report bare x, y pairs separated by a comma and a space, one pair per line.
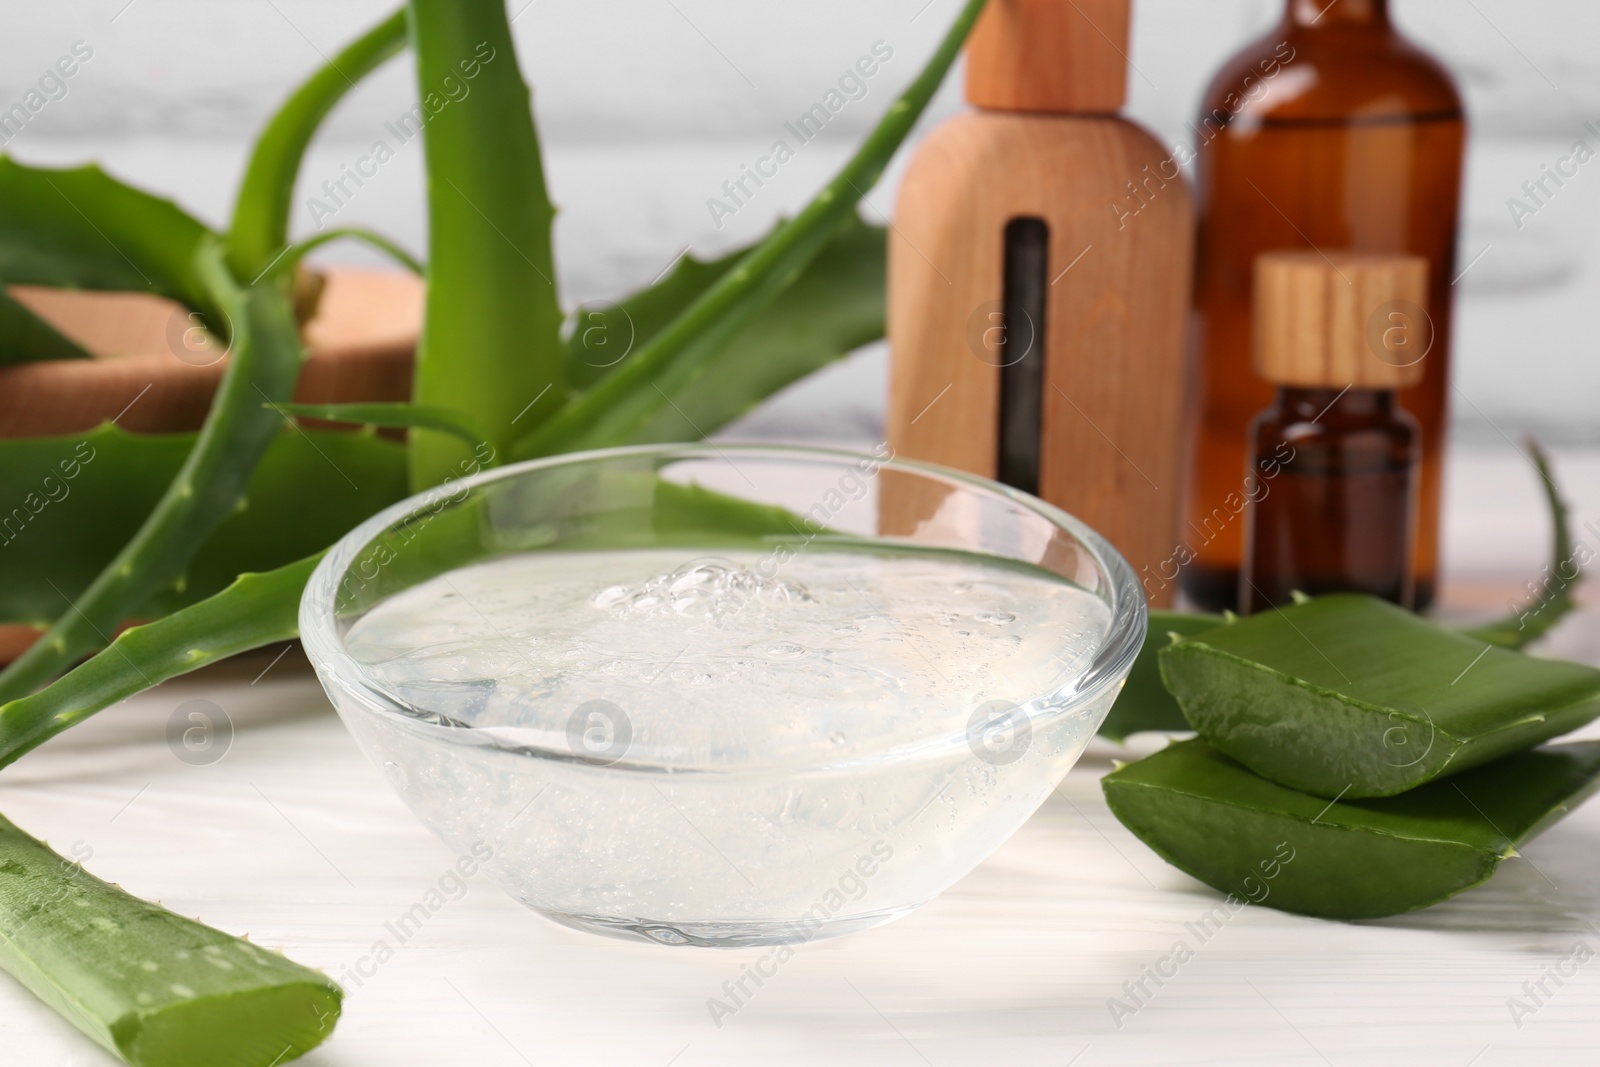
294, 838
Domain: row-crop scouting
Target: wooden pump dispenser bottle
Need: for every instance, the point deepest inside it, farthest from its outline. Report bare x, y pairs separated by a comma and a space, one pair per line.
1039, 269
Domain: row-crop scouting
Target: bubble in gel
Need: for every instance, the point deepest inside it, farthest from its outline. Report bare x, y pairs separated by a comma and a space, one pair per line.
710, 587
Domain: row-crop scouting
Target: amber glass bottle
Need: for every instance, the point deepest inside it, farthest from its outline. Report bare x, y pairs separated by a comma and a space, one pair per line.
1338, 335
1339, 516
1333, 132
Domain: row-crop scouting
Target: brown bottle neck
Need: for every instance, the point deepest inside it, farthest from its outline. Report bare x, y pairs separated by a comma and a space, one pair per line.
1341, 14
1313, 403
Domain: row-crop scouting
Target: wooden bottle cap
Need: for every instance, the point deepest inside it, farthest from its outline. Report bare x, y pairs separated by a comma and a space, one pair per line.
1341, 319
1050, 55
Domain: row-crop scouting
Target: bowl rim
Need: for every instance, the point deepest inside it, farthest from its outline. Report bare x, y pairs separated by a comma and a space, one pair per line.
1113, 657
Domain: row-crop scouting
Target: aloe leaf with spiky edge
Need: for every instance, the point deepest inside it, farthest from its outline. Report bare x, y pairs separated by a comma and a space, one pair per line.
78, 499
835, 306
633, 395
1526, 625
396, 416
80, 228
378, 241
491, 341
260, 225
255, 610
604, 333
264, 362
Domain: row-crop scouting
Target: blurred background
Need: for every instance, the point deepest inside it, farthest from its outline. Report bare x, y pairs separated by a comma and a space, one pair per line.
648, 106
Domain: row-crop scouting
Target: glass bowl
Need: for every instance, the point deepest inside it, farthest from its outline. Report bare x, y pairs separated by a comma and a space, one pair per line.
723, 695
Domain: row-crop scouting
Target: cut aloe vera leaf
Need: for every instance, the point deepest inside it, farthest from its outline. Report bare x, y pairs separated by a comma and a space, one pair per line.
155, 988
1351, 696
1259, 842
1144, 703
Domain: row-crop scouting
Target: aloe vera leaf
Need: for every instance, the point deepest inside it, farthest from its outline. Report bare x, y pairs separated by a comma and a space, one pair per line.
265, 359
1144, 703
604, 333
80, 228
92, 492
628, 399
1241, 834
402, 416
152, 987
26, 338
835, 306
1526, 625
491, 335
254, 610
1352, 696
389, 248
260, 225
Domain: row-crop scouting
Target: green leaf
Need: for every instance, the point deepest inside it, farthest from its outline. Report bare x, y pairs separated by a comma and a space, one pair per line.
1144, 703
79, 499
1261, 843
79, 228
1555, 596
254, 610
836, 306
260, 226
400, 416
605, 333
26, 338
491, 343
389, 248
1351, 696
629, 399
152, 987
264, 362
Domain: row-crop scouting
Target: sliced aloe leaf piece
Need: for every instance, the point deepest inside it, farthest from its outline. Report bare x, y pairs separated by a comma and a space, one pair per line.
1351, 696
1144, 703
155, 988
1241, 834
